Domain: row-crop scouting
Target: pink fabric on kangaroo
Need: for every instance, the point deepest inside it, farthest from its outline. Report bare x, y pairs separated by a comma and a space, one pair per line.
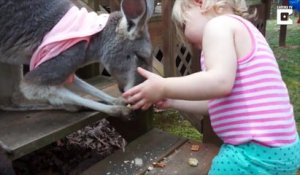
77, 25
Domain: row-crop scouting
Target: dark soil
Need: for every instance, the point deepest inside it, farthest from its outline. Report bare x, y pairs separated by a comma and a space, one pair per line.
74, 153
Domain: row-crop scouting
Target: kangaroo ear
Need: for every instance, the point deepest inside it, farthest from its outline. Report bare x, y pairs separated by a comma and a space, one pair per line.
133, 9
136, 13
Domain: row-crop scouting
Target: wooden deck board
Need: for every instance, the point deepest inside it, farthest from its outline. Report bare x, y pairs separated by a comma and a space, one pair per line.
177, 162
157, 146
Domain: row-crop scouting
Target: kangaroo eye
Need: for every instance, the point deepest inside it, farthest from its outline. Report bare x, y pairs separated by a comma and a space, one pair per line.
183, 27
128, 57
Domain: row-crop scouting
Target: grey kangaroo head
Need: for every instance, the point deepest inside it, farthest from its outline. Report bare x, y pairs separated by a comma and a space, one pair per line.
125, 42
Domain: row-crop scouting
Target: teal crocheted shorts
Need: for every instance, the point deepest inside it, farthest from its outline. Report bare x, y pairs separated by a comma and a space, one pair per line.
251, 158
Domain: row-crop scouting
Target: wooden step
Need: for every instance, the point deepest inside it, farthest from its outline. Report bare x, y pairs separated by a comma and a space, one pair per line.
25, 132
157, 146
138, 155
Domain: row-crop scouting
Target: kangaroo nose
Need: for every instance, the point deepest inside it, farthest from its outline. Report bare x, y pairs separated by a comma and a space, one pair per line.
121, 89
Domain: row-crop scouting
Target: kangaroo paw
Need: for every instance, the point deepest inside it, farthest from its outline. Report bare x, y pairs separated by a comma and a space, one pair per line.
122, 112
120, 101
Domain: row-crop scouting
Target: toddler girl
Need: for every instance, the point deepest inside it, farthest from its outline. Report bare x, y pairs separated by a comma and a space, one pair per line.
240, 86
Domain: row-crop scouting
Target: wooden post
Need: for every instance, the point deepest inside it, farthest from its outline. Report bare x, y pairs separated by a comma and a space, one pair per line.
89, 71
94, 4
282, 35
283, 30
209, 136
141, 123
169, 41
195, 67
267, 8
114, 5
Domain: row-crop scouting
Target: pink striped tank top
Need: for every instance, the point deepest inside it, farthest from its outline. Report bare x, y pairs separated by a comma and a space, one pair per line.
258, 109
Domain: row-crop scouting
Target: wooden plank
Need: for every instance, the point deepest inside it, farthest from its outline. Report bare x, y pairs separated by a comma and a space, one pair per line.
268, 4
283, 29
195, 119
168, 39
196, 65
141, 123
24, 132
155, 29
107, 84
177, 162
114, 5
158, 67
209, 136
150, 147
94, 4
81, 4
253, 2
10, 76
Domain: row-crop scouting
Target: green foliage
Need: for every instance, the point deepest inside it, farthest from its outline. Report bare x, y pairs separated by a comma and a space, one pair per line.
172, 122
288, 58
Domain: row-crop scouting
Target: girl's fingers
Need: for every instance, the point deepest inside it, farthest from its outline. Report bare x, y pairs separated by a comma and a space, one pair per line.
131, 91
142, 104
146, 74
139, 104
162, 104
146, 106
133, 99
158, 104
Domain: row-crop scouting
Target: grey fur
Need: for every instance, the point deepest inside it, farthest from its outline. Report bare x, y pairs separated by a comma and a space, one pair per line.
122, 46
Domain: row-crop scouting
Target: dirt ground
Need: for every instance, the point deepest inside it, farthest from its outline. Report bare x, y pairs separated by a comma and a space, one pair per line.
73, 153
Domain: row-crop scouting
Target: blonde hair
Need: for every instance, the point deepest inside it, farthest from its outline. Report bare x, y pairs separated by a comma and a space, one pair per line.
181, 7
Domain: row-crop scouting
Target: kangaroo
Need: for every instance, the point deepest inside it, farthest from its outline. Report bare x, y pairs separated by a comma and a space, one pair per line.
122, 45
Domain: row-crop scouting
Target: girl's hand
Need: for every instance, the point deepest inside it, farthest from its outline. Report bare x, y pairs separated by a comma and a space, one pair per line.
147, 93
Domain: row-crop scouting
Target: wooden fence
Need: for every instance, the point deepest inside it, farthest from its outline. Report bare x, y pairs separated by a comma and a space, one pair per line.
171, 57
